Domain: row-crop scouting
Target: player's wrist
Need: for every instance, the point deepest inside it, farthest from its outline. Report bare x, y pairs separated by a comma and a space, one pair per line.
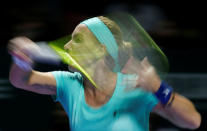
156, 85
165, 94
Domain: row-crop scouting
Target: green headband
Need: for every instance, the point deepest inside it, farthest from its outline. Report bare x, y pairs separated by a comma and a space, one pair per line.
104, 36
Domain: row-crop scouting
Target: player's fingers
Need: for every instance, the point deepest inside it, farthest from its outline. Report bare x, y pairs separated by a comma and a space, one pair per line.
146, 63
142, 66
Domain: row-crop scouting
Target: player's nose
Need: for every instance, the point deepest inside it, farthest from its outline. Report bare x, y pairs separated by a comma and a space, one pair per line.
67, 45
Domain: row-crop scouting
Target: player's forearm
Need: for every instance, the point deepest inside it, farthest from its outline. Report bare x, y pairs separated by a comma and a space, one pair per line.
22, 79
182, 113
19, 77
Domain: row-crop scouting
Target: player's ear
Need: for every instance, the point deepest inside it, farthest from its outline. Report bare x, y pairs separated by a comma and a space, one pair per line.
103, 46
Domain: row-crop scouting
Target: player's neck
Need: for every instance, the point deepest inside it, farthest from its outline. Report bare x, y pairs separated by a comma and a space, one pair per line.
95, 97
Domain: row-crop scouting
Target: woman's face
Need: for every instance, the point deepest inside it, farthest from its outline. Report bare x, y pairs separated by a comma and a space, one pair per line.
83, 46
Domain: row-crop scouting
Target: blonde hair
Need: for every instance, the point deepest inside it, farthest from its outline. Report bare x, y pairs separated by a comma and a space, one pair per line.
124, 47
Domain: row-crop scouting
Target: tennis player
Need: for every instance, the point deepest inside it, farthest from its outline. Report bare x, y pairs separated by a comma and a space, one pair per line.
105, 105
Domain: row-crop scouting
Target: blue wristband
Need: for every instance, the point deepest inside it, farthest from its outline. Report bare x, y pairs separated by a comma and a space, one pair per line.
22, 64
164, 93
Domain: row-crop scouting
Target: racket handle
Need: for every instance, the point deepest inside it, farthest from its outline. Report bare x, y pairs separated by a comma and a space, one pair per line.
43, 59
46, 59
45, 55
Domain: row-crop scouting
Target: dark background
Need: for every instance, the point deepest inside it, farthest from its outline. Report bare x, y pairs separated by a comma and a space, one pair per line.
178, 27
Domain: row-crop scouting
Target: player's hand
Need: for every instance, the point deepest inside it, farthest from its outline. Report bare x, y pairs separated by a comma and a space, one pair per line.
23, 50
148, 78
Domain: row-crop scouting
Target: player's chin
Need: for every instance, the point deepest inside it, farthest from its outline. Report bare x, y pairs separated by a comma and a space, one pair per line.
73, 69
